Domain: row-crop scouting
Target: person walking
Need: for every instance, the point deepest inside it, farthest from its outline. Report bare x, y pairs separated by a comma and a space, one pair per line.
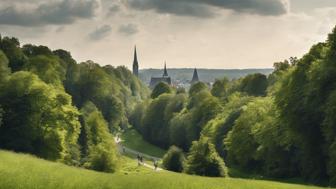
155, 164
139, 160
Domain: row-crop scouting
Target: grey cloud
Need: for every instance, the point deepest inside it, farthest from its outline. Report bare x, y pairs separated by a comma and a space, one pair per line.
114, 9
128, 29
53, 12
204, 8
100, 33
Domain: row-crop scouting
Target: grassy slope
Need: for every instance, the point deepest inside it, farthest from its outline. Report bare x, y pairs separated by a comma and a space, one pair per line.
132, 139
27, 172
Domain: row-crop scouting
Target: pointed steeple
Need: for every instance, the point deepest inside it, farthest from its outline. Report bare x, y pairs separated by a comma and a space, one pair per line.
165, 73
135, 63
195, 77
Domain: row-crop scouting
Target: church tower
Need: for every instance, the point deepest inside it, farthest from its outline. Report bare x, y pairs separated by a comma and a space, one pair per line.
135, 63
195, 78
165, 73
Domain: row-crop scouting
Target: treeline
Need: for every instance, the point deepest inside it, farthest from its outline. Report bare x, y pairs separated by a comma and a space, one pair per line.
60, 110
280, 126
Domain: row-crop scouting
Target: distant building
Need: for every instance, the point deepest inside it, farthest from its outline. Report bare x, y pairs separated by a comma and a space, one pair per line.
165, 78
135, 63
195, 78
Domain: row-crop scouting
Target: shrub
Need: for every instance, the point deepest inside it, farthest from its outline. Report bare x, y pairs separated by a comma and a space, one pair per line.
204, 160
173, 159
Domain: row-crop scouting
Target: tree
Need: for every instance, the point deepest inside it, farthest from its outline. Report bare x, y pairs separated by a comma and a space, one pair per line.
4, 69
38, 118
255, 84
220, 87
1, 112
203, 160
11, 47
32, 50
155, 125
302, 99
197, 87
48, 69
97, 143
258, 142
160, 88
173, 160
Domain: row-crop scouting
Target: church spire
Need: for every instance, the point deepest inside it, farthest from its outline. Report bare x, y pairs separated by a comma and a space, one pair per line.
135, 63
195, 78
165, 73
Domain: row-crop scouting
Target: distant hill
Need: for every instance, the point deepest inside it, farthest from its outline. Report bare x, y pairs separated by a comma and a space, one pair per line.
205, 75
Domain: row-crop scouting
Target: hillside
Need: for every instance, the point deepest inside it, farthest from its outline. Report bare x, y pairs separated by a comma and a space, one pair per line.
14, 169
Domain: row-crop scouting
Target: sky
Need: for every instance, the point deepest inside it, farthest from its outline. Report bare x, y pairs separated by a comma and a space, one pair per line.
218, 34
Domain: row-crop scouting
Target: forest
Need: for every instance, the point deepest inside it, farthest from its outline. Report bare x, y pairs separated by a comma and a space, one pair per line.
280, 125
61, 110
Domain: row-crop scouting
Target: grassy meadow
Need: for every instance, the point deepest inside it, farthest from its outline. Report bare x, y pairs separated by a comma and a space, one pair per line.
133, 140
22, 171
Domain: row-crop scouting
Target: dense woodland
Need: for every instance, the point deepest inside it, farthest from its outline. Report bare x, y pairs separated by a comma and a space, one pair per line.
281, 126
60, 110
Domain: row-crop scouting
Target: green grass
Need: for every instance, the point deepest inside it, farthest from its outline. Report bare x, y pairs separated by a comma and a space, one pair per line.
132, 139
18, 171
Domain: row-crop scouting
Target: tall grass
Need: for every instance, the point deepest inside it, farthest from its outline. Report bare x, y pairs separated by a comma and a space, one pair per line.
18, 171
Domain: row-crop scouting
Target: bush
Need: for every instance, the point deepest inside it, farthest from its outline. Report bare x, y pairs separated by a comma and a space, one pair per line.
173, 159
160, 89
204, 160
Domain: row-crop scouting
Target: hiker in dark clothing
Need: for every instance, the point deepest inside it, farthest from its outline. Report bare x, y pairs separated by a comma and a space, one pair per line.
139, 159
155, 165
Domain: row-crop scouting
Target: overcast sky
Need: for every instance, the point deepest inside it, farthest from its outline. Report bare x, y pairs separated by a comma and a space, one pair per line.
185, 33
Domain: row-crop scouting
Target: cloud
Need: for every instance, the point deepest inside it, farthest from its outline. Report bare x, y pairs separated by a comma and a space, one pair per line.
100, 33
51, 13
114, 9
128, 29
205, 8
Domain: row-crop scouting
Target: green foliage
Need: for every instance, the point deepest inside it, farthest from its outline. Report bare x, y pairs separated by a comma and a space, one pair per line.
15, 55
4, 69
1, 112
197, 87
173, 160
220, 87
176, 119
255, 85
154, 126
113, 90
204, 160
38, 118
160, 88
32, 50
97, 143
48, 69
257, 140
304, 101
